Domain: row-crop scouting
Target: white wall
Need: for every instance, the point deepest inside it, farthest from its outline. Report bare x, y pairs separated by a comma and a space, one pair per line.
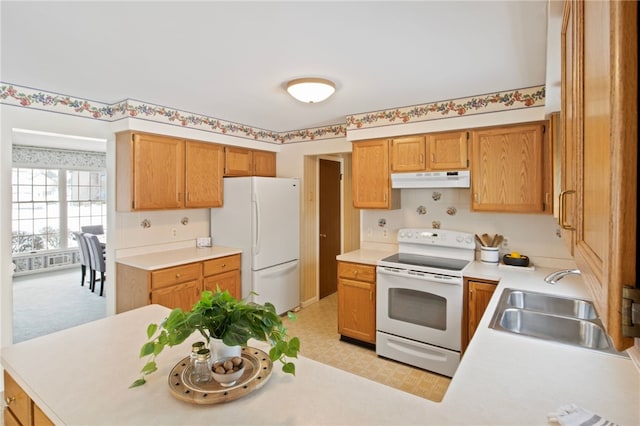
534, 235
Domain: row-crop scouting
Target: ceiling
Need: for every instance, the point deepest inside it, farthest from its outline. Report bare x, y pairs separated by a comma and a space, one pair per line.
232, 60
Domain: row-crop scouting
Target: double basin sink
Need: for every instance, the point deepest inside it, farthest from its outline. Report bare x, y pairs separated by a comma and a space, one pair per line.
559, 319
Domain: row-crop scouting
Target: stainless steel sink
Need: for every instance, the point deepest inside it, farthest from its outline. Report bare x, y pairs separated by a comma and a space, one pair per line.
558, 319
575, 308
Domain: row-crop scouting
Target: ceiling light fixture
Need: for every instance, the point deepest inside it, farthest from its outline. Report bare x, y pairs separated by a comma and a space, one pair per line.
311, 90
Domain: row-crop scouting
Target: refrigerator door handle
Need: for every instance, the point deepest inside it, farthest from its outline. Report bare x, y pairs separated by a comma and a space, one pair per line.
277, 270
256, 225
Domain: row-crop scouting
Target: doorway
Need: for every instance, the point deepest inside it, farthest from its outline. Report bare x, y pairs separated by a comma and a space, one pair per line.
329, 189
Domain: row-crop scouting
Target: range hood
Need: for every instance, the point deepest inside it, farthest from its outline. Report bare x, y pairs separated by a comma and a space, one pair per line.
453, 179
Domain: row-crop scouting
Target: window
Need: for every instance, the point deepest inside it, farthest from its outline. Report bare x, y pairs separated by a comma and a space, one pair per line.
48, 204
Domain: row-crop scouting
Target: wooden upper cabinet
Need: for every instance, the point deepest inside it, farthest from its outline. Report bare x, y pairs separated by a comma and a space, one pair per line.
448, 151
408, 154
237, 161
203, 176
435, 151
371, 184
156, 172
600, 86
264, 163
249, 162
507, 169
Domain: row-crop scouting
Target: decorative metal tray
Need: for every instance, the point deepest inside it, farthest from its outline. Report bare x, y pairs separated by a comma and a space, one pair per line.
257, 372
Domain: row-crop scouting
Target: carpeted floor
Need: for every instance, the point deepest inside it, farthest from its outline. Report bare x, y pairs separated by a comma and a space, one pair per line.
53, 301
317, 327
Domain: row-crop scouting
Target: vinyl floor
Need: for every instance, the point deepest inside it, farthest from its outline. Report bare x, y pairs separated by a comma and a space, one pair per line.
317, 327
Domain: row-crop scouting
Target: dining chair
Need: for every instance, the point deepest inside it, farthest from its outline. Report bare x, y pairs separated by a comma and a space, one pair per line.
93, 229
97, 261
84, 255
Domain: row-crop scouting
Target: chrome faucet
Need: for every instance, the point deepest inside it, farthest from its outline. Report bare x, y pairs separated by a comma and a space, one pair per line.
556, 276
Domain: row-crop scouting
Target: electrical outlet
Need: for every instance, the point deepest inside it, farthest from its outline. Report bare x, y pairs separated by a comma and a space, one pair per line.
369, 232
505, 243
385, 233
174, 232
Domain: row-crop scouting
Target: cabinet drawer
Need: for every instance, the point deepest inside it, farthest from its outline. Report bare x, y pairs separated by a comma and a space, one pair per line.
18, 402
356, 271
178, 274
221, 264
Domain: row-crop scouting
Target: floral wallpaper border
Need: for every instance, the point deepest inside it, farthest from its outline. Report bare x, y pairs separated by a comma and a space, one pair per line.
481, 104
25, 97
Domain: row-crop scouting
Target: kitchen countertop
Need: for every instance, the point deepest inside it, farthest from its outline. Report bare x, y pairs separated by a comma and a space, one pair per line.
365, 256
503, 379
166, 259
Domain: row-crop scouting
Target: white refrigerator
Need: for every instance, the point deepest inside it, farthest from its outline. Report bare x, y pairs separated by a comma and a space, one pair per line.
261, 216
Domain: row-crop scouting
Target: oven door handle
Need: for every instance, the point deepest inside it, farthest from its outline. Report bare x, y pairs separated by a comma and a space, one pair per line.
418, 275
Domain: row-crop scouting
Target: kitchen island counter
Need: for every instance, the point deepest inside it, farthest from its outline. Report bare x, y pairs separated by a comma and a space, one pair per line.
81, 376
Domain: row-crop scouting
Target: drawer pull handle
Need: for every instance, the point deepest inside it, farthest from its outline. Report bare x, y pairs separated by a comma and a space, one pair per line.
8, 400
355, 273
177, 275
224, 265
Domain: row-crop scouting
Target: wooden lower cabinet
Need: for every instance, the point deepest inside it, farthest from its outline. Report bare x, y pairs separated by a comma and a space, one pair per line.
477, 295
20, 410
223, 273
357, 301
177, 286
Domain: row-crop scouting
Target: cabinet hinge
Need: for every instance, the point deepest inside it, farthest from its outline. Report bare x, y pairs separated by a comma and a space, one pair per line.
630, 311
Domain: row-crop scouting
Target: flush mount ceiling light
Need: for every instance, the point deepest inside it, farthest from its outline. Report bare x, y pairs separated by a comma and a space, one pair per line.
311, 90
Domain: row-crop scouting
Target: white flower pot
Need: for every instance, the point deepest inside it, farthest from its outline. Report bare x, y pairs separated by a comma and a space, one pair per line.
219, 350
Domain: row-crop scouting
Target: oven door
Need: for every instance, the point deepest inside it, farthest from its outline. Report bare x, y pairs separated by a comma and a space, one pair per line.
422, 307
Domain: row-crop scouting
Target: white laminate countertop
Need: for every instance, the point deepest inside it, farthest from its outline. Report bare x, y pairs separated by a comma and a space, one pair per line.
166, 259
365, 256
81, 376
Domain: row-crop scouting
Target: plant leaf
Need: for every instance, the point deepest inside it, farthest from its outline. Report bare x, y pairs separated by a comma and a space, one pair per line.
137, 383
147, 349
290, 368
149, 368
151, 330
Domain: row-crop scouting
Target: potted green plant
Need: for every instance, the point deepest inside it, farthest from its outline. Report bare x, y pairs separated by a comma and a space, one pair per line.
220, 316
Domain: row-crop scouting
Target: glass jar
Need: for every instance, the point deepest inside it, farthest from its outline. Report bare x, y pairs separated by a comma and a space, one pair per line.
201, 372
194, 352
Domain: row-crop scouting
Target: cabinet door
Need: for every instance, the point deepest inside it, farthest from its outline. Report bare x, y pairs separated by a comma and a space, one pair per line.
203, 174
566, 196
39, 418
157, 172
371, 181
479, 296
237, 161
357, 310
264, 163
182, 296
607, 154
225, 281
447, 151
408, 154
18, 402
507, 169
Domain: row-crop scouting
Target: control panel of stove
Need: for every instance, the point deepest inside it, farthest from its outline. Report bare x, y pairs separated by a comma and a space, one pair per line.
438, 237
